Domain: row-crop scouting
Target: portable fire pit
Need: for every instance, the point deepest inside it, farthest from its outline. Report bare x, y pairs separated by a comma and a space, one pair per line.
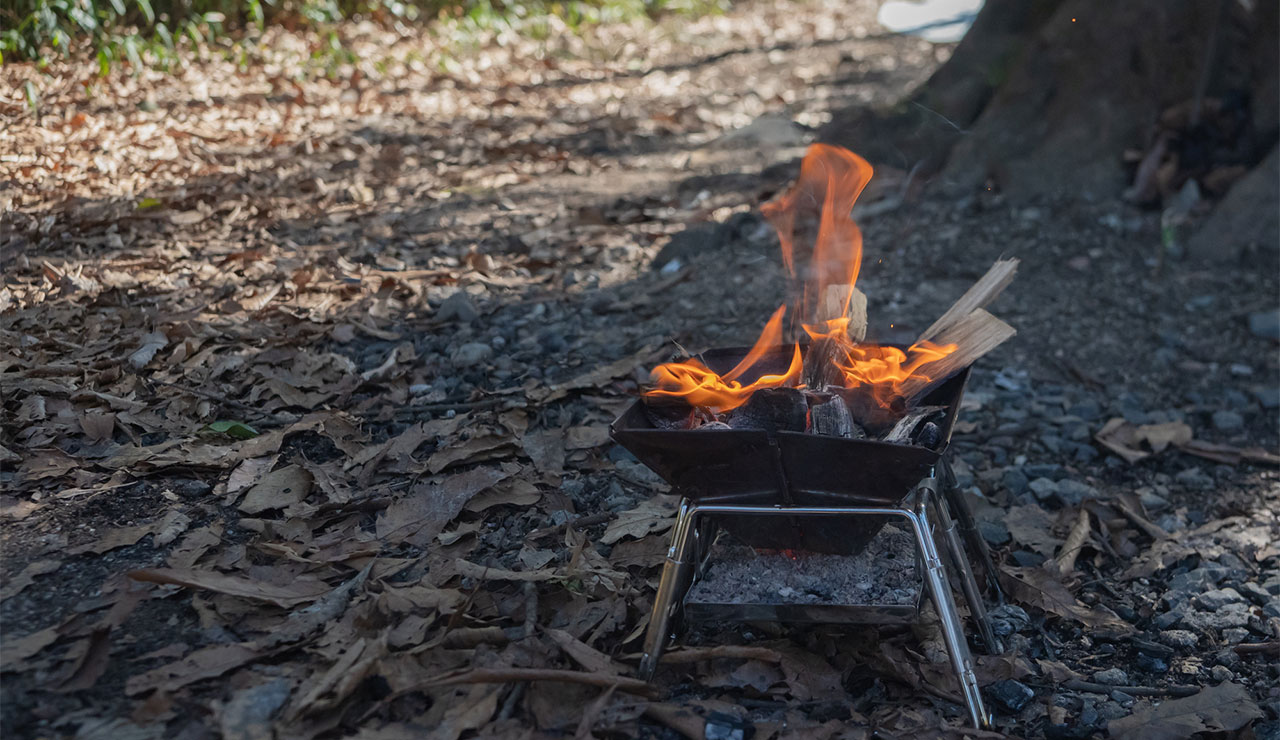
813, 448
799, 491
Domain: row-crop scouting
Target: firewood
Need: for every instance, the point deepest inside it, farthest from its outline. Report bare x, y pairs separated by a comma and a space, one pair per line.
903, 432
829, 415
771, 409
974, 336
983, 292
838, 301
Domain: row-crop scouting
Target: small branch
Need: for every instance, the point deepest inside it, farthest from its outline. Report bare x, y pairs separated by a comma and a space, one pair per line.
582, 521
1076, 684
511, 675
1257, 647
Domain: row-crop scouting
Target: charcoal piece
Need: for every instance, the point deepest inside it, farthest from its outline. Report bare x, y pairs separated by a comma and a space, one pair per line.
668, 413
929, 435
903, 432
773, 410
1010, 695
829, 415
874, 414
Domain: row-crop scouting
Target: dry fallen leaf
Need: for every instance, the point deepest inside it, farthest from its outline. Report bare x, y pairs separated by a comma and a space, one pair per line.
278, 489
653, 516
1223, 708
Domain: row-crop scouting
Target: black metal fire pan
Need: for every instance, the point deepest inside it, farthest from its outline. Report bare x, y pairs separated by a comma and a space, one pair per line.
759, 468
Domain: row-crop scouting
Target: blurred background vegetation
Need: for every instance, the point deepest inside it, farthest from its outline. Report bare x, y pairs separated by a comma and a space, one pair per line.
151, 32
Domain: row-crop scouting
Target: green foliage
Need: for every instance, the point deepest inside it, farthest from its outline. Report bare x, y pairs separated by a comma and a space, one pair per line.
142, 32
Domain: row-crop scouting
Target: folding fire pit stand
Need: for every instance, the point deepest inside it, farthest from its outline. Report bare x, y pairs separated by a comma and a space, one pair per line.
687, 545
761, 484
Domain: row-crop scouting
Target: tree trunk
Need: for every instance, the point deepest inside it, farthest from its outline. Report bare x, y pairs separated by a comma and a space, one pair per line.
1046, 96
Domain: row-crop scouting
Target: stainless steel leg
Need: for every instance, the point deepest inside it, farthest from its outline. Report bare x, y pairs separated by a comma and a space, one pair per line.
968, 584
969, 529
676, 575
940, 589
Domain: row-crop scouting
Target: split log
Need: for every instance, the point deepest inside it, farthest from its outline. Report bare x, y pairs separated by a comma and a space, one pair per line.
829, 415
771, 409
839, 301
974, 336
983, 292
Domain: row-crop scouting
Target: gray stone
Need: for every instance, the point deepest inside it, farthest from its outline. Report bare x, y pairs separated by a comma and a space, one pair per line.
1221, 674
1266, 324
1235, 635
1197, 581
1167, 619
471, 354
1271, 608
1231, 615
1015, 481
1227, 421
1007, 619
1179, 638
1245, 217
1218, 598
1073, 492
1226, 657
1112, 677
457, 307
1043, 488
995, 533
1267, 395
1153, 502
1194, 478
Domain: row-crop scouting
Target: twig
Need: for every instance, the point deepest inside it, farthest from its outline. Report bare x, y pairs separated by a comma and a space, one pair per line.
510, 675
579, 523
483, 403
743, 652
1257, 647
1076, 684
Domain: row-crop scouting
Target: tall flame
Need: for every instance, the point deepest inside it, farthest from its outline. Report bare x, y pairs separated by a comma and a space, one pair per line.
822, 251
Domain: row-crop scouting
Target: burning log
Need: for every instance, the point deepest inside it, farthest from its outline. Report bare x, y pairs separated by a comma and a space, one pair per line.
839, 302
773, 410
874, 415
983, 292
973, 336
829, 415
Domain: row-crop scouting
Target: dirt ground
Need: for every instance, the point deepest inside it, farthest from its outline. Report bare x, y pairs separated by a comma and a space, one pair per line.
307, 382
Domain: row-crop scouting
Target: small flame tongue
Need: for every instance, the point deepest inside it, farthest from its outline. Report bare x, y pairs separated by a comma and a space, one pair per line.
822, 251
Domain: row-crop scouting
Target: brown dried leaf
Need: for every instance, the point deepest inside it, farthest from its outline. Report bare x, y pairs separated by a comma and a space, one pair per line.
278, 489
1030, 525
1223, 708
424, 511
296, 592
28, 576
653, 516
1041, 588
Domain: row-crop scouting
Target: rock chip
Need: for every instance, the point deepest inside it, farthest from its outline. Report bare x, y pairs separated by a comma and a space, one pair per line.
1112, 677
1179, 638
1230, 615
1073, 492
471, 354
1217, 598
457, 307
1227, 421
1265, 324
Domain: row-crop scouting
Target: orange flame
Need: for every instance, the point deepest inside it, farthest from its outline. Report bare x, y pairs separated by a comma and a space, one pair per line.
831, 179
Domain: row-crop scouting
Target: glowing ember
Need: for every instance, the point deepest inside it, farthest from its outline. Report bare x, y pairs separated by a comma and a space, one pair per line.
824, 261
